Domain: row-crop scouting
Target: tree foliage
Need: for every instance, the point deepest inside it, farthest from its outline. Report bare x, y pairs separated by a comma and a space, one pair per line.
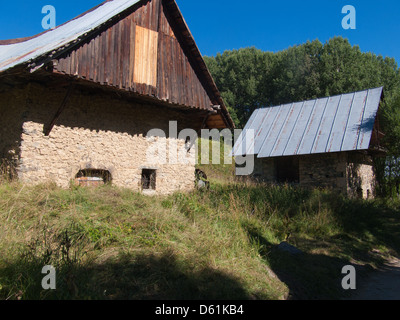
249, 78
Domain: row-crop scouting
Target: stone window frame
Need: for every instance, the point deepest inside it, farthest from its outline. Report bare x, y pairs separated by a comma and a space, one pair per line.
100, 177
149, 179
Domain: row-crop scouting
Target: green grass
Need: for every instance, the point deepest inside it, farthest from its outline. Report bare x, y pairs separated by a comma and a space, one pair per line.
111, 243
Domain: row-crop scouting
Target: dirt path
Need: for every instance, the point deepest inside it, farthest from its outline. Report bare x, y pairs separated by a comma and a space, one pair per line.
383, 284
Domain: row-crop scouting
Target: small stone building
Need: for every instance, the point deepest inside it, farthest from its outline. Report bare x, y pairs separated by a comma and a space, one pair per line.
77, 102
329, 143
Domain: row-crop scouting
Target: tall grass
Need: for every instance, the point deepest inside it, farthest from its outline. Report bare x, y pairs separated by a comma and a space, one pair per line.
110, 243
178, 246
8, 170
215, 243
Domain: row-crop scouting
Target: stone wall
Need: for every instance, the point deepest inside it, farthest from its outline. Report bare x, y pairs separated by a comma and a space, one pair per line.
265, 169
348, 173
95, 131
361, 176
324, 171
12, 113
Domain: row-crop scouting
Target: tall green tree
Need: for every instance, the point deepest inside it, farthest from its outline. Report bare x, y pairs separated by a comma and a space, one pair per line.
241, 75
296, 74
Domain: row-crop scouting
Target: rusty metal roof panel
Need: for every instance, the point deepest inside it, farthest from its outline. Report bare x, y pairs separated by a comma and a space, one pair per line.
239, 149
62, 36
301, 125
353, 126
311, 129
368, 122
332, 124
287, 130
339, 125
257, 125
325, 127
266, 128
276, 130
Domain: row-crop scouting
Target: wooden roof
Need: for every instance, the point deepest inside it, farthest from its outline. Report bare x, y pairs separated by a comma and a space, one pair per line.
144, 47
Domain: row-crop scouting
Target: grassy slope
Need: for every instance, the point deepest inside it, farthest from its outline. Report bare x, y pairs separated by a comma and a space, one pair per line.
331, 230
110, 243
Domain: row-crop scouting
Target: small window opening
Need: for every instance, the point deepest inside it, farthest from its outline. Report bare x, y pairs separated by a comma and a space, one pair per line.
92, 178
148, 179
359, 192
287, 170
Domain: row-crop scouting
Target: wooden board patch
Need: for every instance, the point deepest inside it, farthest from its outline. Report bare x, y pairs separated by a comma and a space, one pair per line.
146, 43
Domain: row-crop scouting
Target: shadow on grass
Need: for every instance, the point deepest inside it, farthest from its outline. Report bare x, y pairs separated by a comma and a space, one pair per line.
139, 277
364, 232
373, 222
308, 276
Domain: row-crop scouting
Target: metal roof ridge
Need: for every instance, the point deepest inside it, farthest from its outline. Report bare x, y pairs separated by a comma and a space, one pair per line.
256, 133
269, 130
283, 125
348, 120
295, 124
320, 122
306, 127
333, 122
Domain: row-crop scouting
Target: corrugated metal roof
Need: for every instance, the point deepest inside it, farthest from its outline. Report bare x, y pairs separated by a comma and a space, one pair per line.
19, 53
332, 124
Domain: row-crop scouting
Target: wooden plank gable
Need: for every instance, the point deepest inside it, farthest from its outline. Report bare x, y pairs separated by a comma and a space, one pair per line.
139, 53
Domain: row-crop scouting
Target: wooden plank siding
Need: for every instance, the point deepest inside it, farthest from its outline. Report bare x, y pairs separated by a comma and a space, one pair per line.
215, 122
139, 53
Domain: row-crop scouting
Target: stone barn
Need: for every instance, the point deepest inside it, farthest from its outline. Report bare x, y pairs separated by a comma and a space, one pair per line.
77, 102
329, 143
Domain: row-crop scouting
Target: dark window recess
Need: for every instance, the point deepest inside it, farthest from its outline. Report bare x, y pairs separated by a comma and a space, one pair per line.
287, 170
149, 179
93, 177
188, 144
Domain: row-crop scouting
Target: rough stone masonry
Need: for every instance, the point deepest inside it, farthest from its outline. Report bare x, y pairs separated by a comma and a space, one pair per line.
350, 173
94, 131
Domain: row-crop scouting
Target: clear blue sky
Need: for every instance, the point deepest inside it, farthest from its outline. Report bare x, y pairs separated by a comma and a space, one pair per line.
219, 25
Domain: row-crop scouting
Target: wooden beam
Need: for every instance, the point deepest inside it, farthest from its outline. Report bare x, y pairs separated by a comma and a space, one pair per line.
203, 125
59, 111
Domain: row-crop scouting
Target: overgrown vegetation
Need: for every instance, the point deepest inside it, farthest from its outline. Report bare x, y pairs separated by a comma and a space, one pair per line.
220, 243
7, 170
